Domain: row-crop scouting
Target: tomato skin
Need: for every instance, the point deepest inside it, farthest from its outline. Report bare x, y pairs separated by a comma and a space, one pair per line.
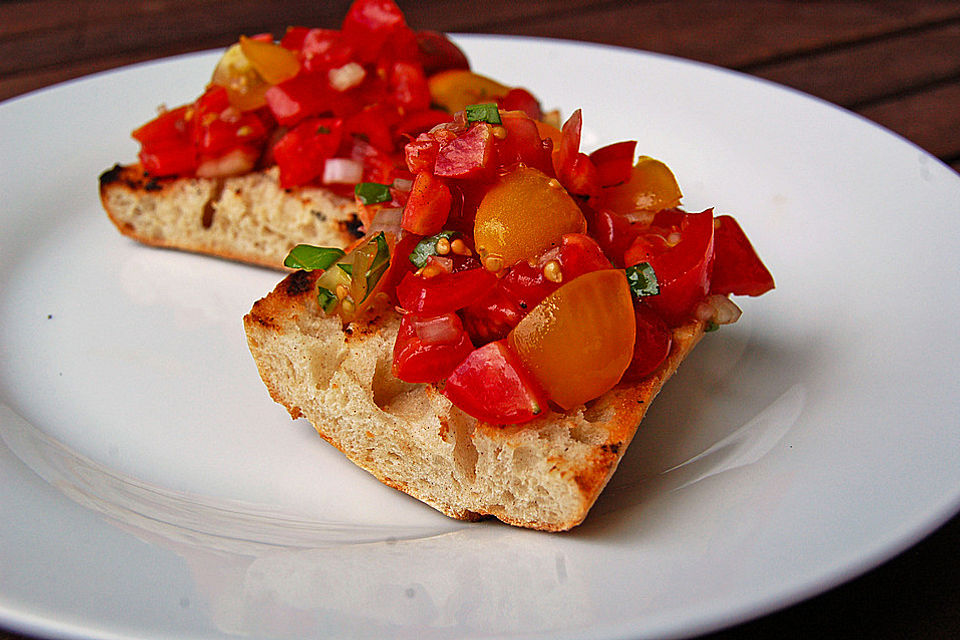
300, 154
683, 270
418, 360
370, 24
575, 170
467, 156
519, 99
652, 346
522, 144
492, 385
445, 292
737, 269
428, 207
421, 154
612, 232
438, 53
160, 160
614, 162
408, 87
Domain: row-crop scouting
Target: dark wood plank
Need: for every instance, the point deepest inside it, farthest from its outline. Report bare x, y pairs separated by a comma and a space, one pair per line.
734, 34
855, 75
930, 118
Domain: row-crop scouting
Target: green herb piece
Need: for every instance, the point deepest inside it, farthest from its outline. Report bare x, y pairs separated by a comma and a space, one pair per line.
323, 129
379, 265
308, 257
346, 267
486, 112
642, 280
428, 247
326, 299
711, 326
372, 192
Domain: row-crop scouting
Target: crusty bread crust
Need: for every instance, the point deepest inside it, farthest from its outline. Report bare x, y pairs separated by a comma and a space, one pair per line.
545, 474
248, 218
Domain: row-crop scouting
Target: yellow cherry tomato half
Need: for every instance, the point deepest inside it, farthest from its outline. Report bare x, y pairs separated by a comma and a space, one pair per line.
454, 89
651, 187
579, 340
523, 214
273, 62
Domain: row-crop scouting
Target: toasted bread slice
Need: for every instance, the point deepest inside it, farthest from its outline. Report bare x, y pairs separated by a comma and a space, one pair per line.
249, 218
545, 474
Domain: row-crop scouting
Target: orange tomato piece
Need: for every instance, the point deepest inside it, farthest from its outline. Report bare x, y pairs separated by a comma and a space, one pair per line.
522, 215
454, 89
579, 340
651, 187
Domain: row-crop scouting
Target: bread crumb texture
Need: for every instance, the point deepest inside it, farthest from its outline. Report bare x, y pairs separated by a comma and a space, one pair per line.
545, 474
247, 218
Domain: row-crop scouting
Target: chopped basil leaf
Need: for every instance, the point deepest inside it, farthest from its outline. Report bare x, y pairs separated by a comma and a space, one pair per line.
323, 129
486, 112
326, 299
372, 192
308, 257
346, 267
711, 326
428, 247
642, 280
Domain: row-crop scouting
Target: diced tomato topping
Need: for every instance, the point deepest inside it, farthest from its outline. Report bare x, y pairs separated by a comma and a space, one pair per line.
614, 162
613, 233
444, 292
421, 154
438, 53
652, 345
522, 144
427, 349
416, 122
679, 247
737, 269
373, 125
408, 86
369, 24
323, 49
519, 99
300, 154
575, 170
467, 156
160, 160
427, 207
491, 385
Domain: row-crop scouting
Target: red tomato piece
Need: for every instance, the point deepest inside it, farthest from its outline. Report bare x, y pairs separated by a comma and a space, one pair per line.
373, 125
679, 247
492, 317
168, 160
444, 292
301, 152
438, 53
737, 269
519, 99
378, 166
416, 122
429, 349
168, 127
523, 144
369, 24
421, 154
400, 264
614, 162
613, 233
293, 38
652, 345
427, 207
469, 155
491, 385
408, 86
323, 49
305, 95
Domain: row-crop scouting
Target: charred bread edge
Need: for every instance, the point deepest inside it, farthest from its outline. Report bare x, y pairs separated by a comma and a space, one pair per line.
341, 220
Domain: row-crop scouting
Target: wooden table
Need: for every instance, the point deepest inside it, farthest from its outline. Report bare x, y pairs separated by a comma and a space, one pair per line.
896, 62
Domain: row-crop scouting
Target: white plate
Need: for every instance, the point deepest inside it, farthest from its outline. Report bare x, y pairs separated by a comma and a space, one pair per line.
152, 488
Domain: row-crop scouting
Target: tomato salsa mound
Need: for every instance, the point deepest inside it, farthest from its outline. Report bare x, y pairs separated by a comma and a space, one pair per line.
327, 107
529, 275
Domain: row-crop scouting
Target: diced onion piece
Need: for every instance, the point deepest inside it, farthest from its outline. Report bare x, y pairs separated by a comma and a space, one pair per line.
342, 171
346, 77
402, 184
229, 164
717, 309
443, 329
387, 220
